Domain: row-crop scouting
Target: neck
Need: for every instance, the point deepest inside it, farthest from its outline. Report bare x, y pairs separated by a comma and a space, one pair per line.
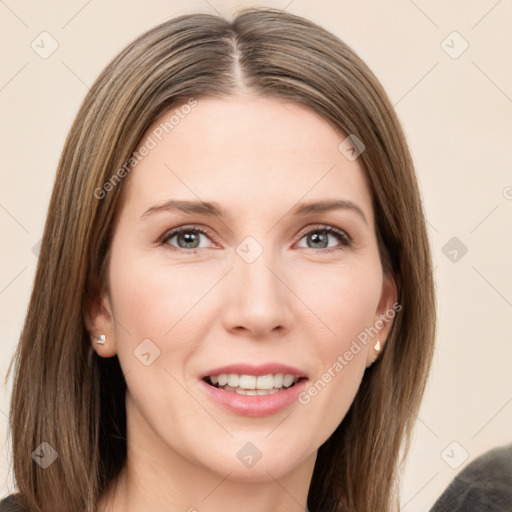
133, 493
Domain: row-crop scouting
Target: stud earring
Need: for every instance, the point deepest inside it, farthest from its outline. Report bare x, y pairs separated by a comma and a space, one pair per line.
377, 348
100, 340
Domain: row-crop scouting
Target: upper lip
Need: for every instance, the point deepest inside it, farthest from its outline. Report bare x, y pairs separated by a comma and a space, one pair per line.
252, 369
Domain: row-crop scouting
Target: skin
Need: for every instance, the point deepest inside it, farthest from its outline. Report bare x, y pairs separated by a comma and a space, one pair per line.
294, 304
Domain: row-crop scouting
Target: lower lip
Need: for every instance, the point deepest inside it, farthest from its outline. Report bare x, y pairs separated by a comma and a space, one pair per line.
254, 405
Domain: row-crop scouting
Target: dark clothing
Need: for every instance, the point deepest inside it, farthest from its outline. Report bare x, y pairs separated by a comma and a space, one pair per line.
483, 485
10, 504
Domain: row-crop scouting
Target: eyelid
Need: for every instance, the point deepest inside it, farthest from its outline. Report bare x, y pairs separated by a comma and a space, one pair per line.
326, 227
187, 227
344, 238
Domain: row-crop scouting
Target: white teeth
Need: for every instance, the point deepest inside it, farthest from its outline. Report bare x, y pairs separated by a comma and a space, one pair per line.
254, 392
278, 380
265, 383
246, 391
233, 380
288, 381
247, 382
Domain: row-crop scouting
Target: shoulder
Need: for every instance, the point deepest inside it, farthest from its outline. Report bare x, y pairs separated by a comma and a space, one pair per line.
484, 485
11, 504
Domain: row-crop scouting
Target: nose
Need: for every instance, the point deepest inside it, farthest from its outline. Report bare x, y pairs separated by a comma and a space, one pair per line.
258, 300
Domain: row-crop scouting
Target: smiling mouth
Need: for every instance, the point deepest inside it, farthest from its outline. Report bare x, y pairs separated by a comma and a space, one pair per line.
253, 385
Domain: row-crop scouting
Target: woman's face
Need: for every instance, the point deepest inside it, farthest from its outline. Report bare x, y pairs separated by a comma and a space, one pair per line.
253, 286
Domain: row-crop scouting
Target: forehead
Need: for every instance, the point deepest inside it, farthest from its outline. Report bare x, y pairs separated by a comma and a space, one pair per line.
247, 153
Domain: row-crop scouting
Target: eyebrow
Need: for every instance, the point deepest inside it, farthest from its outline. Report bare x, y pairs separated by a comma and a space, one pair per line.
215, 210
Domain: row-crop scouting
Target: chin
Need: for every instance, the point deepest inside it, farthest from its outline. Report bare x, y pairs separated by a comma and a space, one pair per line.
247, 463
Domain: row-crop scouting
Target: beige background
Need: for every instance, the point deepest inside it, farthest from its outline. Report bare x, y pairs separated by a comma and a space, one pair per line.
456, 113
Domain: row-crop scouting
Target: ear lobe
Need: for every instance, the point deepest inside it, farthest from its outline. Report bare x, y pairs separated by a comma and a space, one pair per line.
99, 322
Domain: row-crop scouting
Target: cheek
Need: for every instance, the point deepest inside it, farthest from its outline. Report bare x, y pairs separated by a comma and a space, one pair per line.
166, 303
346, 302
344, 299
152, 297
156, 331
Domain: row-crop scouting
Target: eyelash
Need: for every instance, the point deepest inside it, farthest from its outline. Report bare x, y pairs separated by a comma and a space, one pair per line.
345, 240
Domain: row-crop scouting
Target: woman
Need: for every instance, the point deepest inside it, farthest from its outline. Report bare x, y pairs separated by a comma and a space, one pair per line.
234, 302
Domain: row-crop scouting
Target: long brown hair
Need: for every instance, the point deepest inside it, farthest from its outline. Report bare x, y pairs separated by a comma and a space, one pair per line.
67, 396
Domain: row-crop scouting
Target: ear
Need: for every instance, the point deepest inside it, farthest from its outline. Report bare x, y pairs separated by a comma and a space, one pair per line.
100, 320
383, 321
